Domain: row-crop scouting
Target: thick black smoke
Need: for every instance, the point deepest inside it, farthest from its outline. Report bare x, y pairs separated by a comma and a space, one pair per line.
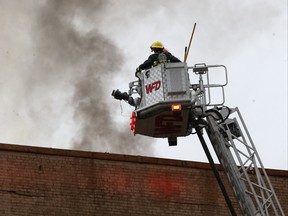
71, 51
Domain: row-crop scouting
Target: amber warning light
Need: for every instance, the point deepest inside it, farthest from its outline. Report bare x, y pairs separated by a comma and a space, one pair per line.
176, 107
133, 122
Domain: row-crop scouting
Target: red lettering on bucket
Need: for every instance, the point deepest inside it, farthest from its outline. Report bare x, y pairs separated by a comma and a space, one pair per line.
155, 85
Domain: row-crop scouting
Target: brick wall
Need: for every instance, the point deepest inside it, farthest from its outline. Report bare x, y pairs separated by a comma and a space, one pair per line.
43, 181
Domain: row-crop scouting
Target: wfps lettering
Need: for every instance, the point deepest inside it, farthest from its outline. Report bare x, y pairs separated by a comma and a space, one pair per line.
153, 86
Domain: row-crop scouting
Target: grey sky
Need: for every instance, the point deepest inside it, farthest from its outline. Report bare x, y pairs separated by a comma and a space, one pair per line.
59, 59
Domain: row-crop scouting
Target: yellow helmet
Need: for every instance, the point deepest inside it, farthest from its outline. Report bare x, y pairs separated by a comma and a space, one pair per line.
157, 45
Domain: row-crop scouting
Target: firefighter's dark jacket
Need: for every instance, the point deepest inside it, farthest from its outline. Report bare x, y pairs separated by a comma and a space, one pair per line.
153, 60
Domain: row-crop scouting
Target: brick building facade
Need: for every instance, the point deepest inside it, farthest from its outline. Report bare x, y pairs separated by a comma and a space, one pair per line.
44, 181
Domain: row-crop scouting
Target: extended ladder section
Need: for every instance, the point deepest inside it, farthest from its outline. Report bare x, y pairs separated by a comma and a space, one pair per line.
236, 152
243, 167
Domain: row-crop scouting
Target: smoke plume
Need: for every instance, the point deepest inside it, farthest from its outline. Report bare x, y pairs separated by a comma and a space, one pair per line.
72, 66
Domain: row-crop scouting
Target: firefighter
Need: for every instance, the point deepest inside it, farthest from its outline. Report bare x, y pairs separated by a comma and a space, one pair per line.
160, 55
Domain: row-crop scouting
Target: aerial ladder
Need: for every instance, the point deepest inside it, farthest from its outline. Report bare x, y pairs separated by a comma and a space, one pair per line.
236, 152
169, 105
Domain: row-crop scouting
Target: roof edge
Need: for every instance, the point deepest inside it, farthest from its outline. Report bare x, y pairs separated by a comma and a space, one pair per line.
119, 157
